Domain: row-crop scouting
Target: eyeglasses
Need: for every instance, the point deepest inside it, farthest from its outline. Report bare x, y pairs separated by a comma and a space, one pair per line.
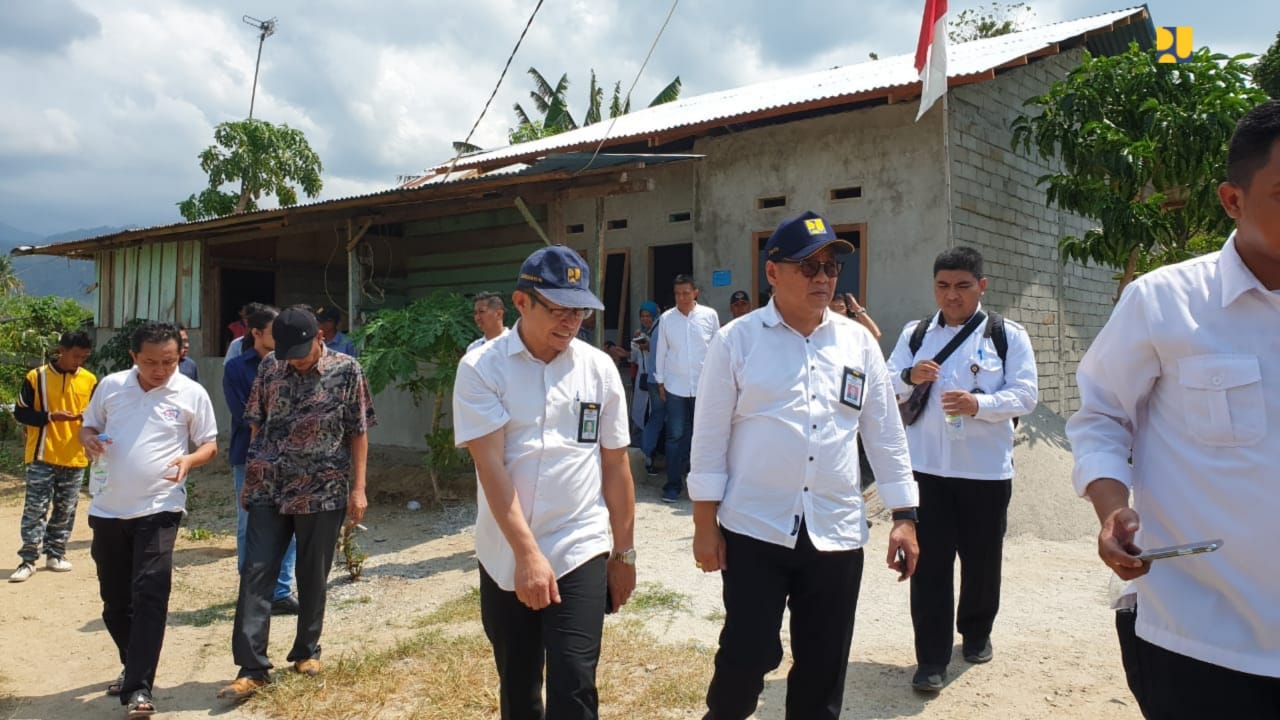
562, 313
810, 268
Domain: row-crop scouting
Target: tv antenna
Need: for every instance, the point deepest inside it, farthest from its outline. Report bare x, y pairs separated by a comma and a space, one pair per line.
266, 28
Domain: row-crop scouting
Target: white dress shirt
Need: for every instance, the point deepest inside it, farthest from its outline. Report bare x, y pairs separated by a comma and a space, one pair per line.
1186, 376
557, 478
682, 348
148, 429
985, 449
773, 443
480, 341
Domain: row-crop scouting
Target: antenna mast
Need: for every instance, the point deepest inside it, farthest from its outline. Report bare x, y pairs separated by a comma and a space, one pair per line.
266, 29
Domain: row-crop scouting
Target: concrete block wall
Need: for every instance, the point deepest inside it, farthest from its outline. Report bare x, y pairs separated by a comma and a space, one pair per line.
999, 209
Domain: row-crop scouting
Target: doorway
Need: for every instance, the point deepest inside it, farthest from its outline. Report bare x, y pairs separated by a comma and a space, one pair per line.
665, 263
617, 297
236, 288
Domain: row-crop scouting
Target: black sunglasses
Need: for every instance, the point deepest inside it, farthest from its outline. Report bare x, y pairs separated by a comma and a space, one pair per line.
810, 268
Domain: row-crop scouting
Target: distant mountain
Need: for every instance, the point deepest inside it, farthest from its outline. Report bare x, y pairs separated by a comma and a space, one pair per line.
46, 275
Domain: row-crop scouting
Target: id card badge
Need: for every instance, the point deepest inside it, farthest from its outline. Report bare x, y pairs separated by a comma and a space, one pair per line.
588, 422
852, 387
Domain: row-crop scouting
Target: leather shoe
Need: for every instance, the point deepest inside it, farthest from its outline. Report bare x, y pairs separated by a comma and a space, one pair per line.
287, 605
978, 652
929, 678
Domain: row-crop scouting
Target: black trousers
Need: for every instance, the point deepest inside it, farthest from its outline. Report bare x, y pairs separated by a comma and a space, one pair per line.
1169, 686
965, 518
134, 558
266, 538
564, 637
821, 589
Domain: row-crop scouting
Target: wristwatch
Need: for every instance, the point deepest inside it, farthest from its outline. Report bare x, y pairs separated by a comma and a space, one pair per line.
628, 556
908, 514
906, 376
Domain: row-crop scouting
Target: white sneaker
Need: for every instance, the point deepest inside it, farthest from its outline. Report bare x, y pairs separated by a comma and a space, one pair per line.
57, 564
23, 573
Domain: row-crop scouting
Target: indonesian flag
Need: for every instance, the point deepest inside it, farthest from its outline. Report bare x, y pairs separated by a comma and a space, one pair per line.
931, 54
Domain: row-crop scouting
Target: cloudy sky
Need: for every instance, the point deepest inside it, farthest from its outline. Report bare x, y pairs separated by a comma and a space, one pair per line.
107, 102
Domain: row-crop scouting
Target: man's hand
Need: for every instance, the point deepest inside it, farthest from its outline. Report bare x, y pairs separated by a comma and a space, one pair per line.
959, 402
903, 535
536, 582
708, 540
177, 469
924, 371
1115, 544
622, 581
662, 392
357, 503
63, 416
92, 445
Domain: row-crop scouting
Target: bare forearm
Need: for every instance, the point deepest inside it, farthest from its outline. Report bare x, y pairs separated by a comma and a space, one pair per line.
203, 454
359, 461
869, 324
1107, 496
705, 513
620, 498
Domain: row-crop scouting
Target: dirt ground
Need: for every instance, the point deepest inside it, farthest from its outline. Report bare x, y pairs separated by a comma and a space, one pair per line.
1055, 652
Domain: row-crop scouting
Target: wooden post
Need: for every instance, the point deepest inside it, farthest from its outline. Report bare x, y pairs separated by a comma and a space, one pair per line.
600, 222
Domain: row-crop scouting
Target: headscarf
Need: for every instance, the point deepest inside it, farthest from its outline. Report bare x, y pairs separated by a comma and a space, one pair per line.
652, 307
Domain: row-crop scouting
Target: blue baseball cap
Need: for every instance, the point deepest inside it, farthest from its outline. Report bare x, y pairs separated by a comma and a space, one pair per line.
559, 275
801, 236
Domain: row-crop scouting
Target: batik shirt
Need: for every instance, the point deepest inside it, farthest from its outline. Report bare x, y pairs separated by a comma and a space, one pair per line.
300, 458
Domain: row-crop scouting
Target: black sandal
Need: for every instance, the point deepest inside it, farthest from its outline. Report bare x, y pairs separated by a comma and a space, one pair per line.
141, 705
116, 687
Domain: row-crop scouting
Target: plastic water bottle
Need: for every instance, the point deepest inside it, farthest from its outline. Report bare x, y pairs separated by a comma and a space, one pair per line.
954, 423
98, 469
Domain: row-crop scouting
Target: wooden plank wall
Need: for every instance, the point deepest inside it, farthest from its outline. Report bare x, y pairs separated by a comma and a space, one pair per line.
157, 282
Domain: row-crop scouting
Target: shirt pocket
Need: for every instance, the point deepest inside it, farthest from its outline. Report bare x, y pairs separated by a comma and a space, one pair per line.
1223, 399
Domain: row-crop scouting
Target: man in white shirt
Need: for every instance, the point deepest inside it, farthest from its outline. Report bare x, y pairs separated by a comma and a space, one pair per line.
150, 413
1180, 401
687, 330
544, 417
488, 312
962, 454
777, 501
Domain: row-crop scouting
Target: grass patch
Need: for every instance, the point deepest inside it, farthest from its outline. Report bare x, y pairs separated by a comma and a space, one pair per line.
446, 673
716, 616
196, 533
204, 617
350, 602
652, 596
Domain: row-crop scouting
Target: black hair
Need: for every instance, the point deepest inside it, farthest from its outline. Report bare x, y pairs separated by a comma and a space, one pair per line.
1253, 142
491, 300
685, 279
154, 332
260, 316
75, 339
959, 258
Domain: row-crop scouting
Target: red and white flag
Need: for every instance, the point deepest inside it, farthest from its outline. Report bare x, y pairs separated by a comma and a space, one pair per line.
931, 54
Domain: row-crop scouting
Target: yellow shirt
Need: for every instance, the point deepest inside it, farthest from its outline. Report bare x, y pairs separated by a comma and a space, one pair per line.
47, 390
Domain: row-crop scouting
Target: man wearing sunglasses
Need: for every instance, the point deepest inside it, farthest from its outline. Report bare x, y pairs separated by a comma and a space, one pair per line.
544, 417
777, 504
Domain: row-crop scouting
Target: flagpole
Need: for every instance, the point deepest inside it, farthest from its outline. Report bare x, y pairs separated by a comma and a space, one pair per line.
946, 163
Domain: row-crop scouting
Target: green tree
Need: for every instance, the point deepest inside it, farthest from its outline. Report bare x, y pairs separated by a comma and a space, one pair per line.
9, 282
1141, 148
29, 330
265, 159
113, 355
994, 21
416, 349
1266, 72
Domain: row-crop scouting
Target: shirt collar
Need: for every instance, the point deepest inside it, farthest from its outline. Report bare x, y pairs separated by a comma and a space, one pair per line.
770, 316
515, 346
1234, 274
322, 363
168, 384
937, 321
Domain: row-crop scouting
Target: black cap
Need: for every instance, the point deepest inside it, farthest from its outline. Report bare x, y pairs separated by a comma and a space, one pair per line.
294, 330
739, 296
330, 313
799, 237
561, 276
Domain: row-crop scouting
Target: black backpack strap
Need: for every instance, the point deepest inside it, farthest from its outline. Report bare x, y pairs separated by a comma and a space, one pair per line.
995, 331
917, 336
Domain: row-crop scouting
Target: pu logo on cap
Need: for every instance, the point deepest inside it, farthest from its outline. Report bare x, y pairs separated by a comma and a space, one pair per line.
815, 226
574, 275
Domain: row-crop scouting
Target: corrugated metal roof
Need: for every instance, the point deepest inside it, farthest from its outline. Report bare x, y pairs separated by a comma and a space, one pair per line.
964, 60
556, 166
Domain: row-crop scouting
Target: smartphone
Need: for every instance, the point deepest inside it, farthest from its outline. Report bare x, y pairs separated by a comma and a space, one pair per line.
1203, 546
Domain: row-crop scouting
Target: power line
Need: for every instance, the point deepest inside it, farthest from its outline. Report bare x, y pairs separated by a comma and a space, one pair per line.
626, 101
485, 109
